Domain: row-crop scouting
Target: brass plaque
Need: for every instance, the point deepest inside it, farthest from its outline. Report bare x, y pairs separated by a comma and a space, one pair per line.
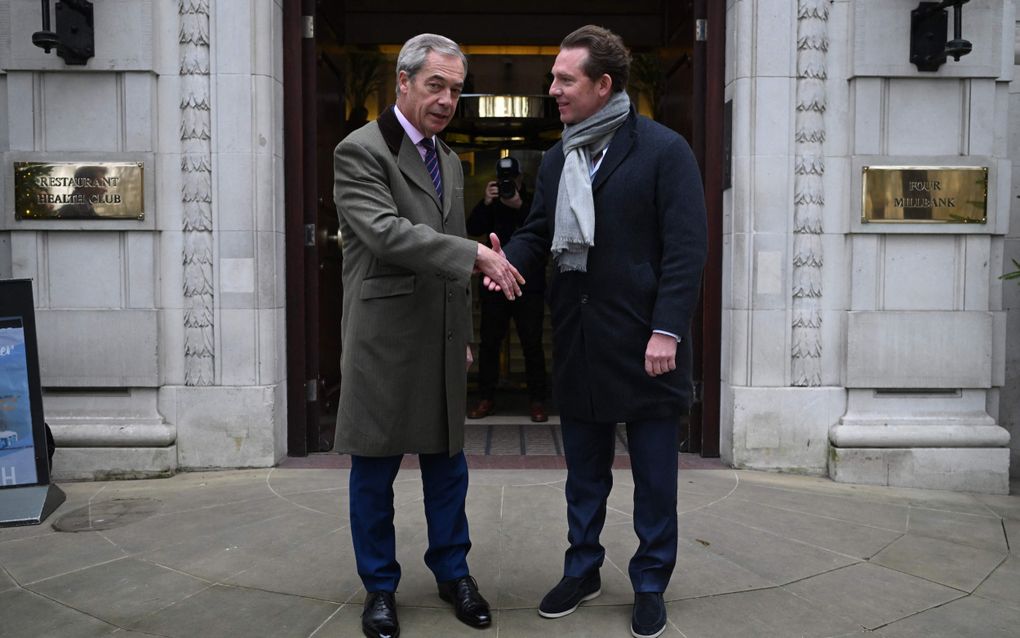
925, 194
74, 190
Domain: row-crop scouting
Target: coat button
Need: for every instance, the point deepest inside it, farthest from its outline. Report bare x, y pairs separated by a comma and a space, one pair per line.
449, 335
449, 295
584, 298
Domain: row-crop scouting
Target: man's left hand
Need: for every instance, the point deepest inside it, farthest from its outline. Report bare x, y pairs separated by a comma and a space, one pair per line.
470, 357
660, 354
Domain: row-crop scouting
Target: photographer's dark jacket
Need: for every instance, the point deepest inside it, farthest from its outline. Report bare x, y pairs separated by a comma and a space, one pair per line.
503, 220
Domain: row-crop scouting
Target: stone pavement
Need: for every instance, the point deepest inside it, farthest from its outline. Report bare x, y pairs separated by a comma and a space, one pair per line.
268, 553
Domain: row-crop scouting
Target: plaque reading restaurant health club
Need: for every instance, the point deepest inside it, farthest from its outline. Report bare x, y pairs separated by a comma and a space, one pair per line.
76, 190
925, 194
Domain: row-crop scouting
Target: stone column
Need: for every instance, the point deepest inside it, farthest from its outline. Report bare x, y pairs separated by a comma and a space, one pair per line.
925, 331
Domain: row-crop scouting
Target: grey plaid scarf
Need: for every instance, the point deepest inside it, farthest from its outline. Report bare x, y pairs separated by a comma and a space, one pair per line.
575, 205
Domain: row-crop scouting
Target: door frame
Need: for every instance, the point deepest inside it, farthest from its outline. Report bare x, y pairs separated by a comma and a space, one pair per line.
709, 128
300, 195
300, 202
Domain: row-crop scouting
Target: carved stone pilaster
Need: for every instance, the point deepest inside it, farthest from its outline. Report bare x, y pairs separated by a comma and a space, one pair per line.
809, 191
196, 192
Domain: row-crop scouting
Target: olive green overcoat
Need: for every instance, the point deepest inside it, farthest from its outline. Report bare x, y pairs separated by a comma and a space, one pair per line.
406, 295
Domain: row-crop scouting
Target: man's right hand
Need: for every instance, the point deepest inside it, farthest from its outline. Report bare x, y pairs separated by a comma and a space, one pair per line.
499, 273
491, 192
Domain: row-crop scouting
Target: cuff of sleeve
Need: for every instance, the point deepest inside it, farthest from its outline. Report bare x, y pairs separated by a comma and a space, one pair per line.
668, 334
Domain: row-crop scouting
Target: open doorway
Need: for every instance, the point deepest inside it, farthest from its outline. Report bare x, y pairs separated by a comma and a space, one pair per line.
349, 72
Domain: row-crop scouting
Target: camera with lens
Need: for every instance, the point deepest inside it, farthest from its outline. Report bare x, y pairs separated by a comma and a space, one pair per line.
507, 170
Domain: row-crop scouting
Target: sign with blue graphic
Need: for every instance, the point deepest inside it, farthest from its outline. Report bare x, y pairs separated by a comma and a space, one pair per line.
17, 447
23, 455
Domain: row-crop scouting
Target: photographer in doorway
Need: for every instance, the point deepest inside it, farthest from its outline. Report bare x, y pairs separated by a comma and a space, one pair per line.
502, 211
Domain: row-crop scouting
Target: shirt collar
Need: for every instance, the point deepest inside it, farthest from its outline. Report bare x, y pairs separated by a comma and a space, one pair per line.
413, 133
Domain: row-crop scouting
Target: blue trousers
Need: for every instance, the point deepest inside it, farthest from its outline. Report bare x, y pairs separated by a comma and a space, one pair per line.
589, 450
445, 482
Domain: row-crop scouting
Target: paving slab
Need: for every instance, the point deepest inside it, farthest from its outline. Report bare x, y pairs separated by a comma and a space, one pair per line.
332, 502
700, 572
32, 559
198, 491
1012, 528
972, 530
858, 509
169, 527
294, 481
688, 502
940, 500
229, 611
486, 503
717, 483
1003, 585
784, 561
6, 582
327, 575
218, 555
270, 550
540, 505
29, 615
970, 617
763, 614
834, 534
944, 562
1003, 506
121, 592
870, 595
531, 562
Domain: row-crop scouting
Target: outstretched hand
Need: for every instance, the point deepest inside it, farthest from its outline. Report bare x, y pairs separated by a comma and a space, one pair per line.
499, 274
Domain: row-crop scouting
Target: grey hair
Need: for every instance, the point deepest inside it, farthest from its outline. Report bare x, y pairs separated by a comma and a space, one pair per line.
412, 55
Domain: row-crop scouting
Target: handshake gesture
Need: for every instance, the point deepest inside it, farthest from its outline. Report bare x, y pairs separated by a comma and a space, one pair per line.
499, 273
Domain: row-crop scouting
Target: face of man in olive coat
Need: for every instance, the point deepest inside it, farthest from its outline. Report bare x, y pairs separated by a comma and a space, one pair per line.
429, 98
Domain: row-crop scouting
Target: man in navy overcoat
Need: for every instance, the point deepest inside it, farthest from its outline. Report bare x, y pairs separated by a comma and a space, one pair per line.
620, 205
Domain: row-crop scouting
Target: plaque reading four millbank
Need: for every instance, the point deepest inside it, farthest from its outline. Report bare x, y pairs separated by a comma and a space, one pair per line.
74, 190
925, 194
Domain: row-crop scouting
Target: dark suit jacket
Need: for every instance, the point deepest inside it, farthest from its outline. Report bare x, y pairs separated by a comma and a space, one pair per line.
644, 273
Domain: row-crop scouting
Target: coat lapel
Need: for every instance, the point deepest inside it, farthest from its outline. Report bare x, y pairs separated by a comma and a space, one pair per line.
411, 165
621, 145
449, 163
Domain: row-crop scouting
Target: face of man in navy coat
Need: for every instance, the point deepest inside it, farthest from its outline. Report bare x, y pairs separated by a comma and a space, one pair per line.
578, 97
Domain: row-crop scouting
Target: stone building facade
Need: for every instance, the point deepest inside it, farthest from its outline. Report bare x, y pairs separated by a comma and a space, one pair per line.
875, 353
161, 341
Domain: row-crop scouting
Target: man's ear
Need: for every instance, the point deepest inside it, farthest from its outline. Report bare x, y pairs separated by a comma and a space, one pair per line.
605, 85
402, 82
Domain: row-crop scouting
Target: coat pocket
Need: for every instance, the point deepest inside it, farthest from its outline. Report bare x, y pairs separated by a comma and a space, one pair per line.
390, 286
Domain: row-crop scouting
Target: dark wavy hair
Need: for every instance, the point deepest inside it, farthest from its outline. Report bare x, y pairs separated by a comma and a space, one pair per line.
606, 54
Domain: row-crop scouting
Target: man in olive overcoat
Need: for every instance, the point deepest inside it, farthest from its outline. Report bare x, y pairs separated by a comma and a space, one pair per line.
405, 328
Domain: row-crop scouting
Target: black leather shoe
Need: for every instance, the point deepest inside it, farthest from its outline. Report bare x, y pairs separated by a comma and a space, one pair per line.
649, 617
568, 595
379, 618
469, 605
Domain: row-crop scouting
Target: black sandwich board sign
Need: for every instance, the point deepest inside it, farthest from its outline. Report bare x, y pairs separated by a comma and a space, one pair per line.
26, 495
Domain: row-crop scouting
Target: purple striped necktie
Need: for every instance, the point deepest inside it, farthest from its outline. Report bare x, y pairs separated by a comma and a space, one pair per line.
432, 165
